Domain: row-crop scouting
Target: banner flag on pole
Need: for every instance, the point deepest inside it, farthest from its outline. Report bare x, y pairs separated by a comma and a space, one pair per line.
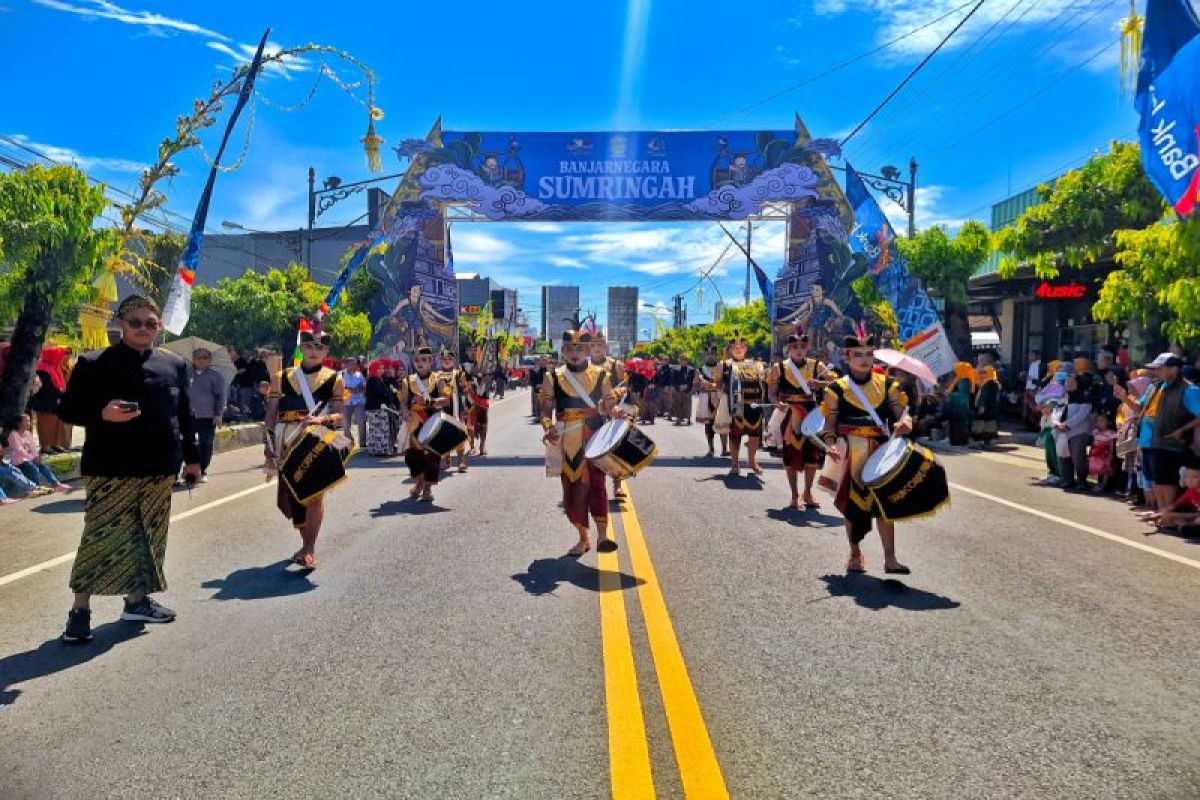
178, 308
767, 287
1168, 100
873, 238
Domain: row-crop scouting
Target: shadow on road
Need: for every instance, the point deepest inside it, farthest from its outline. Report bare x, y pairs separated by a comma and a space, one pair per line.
544, 575
54, 655
409, 505
805, 519
72, 506
259, 583
877, 593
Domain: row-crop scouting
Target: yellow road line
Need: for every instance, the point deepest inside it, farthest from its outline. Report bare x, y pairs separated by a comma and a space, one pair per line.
698, 767
628, 752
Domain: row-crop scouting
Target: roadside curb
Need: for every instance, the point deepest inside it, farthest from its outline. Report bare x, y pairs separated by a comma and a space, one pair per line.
230, 437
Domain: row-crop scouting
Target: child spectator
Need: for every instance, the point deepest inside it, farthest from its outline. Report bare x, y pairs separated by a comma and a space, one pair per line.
1185, 513
1100, 456
23, 453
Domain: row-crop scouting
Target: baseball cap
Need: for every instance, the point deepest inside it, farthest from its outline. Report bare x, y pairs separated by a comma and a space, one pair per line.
1167, 359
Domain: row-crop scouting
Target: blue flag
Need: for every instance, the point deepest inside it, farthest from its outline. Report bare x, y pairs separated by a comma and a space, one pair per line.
873, 241
1168, 100
178, 308
767, 287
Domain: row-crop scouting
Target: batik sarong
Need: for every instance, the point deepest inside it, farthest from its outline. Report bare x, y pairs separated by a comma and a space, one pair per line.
124, 538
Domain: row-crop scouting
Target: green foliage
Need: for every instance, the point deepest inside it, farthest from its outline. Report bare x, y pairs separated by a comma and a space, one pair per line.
750, 321
1083, 209
882, 315
254, 310
51, 250
363, 287
1158, 277
351, 332
945, 265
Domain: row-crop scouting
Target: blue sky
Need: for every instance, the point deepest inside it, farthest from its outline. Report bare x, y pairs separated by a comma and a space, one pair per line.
1025, 90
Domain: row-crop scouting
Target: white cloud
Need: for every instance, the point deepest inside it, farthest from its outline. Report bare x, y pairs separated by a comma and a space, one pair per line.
566, 262
65, 155
657, 268
930, 211
541, 227
899, 17
480, 249
150, 21
242, 54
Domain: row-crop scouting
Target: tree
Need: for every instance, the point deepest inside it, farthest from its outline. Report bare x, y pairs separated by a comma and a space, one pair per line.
945, 266
1076, 223
1157, 278
53, 252
882, 315
749, 321
257, 310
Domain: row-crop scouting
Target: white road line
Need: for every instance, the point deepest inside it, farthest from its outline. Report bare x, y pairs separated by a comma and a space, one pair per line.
1112, 537
64, 558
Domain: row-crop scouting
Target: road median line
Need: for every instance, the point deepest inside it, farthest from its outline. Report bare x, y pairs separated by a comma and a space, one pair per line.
699, 769
628, 750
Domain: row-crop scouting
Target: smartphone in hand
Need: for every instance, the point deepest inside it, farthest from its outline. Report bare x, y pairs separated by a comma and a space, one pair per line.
128, 405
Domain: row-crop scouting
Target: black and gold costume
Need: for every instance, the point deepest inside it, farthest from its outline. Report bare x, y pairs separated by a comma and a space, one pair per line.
580, 420
744, 386
325, 385
798, 451
421, 463
846, 416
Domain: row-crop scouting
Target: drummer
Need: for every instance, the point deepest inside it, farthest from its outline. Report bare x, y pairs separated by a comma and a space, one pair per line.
616, 379
288, 415
860, 407
710, 398
422, 393
742, 382
794, 385
579, 394
478, 392
460, 408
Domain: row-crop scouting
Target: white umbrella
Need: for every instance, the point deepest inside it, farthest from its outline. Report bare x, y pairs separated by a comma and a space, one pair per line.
907, 363
220, 358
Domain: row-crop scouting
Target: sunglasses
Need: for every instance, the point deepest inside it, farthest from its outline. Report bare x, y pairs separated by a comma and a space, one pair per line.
149, 324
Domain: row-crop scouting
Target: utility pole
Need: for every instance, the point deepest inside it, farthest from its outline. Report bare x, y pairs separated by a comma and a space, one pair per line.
312, 217
749, 227
912, 197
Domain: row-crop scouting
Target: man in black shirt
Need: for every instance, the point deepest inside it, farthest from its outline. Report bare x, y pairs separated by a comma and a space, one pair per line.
133, 402
537, 375
685, 377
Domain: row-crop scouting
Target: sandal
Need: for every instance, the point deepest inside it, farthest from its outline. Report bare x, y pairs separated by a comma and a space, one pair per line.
298, 557
898, 569
856, 564
427, 497
606, 545
578, 550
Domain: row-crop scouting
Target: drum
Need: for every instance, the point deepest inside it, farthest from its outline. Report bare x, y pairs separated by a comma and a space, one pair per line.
813, 424
313, 464
442, 434
905, 480
834, 470
619, 449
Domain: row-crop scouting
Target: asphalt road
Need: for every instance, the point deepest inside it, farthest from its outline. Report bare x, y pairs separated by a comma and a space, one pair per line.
1042, 647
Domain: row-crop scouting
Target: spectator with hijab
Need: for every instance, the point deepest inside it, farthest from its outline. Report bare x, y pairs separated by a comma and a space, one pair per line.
985, 427
958, 403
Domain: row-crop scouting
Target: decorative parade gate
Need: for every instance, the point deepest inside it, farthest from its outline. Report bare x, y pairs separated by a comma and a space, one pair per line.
638, 176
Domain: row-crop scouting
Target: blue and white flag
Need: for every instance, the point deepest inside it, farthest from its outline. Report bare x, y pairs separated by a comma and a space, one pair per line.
178, 308
1168, 99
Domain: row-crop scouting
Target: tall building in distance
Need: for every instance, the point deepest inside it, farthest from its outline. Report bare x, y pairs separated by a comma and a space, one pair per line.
559, 304
622, 318
718, 310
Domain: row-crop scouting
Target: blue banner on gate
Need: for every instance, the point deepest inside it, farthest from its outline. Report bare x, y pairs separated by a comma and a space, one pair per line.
640, 175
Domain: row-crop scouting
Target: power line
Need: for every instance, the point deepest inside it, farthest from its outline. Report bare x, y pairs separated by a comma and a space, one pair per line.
914, 72
1028, 99
911, 100
1004, 71
849, 62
